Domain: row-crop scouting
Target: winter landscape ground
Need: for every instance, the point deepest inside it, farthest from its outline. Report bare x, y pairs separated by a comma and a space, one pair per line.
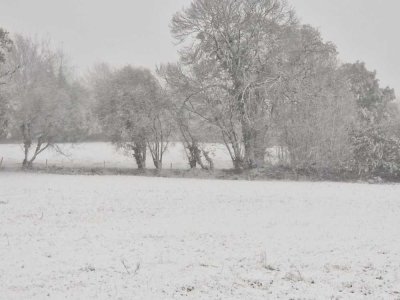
97, 154
103, 154
116, 237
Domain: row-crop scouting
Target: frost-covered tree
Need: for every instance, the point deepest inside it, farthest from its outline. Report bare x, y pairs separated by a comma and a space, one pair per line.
44, 108
133, 111
373, 101
375, 143
93, 81
194, 130
229, 57
5, 47
250, 69
203, 99
316, 109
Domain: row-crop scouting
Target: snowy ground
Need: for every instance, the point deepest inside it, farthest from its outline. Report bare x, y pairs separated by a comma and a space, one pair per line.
102, 154
76, 237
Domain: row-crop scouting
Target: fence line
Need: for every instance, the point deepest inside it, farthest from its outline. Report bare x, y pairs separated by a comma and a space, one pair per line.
13, 164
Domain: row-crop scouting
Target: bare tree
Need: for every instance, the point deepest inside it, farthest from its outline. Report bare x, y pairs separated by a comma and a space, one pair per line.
133, 111
316, 110
42, 106
159, 126
237, 42
194, 129
205, 97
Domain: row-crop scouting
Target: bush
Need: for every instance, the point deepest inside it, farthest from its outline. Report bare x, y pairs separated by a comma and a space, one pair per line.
376, 153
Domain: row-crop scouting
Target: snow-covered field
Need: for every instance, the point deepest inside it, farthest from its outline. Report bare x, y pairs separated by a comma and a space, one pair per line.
99, 154
102, 154
77, 237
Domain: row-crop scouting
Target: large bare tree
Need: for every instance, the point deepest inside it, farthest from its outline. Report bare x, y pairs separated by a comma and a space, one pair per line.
235, 46
44, 107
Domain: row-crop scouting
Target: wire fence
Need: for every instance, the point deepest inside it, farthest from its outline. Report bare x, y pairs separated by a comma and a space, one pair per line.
105, 156
12, 164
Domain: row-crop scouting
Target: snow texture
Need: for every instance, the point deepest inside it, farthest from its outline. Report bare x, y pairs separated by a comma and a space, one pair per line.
77, 237
100, 154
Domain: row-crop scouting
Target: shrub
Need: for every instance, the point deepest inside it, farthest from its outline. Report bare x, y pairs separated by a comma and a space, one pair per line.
376, 153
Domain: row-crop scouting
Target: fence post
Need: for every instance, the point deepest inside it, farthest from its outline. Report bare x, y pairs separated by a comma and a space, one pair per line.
1, 161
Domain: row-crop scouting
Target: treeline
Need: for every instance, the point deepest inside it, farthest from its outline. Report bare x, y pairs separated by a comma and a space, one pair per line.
249, 75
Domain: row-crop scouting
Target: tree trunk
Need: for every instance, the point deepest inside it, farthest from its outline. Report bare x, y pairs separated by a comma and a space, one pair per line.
197, 155
26, 134
209, 160
27, 165
249, 136
254, 146
238, 164
157, 164
139, 153
25, 161
192, 156
260, 147
192, 163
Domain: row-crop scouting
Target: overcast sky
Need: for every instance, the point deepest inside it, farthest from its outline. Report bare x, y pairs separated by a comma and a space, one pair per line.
136, 31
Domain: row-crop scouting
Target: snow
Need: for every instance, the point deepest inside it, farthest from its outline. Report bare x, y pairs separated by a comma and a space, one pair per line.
105, 237
98, 154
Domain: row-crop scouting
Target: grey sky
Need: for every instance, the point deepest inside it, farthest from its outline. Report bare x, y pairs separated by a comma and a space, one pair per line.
136, 31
